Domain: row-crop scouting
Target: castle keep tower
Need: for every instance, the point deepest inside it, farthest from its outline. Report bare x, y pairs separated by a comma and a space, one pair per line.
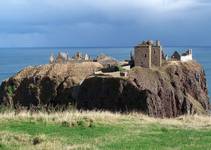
142, 55
148, 54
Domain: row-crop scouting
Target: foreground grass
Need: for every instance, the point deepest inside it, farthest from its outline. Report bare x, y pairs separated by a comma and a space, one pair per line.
102, 130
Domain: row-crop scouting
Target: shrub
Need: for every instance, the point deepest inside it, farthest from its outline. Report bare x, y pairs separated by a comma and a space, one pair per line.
11, 90
5, 109
85, 122
120, 68
37, 140
163, 129
65, 124
82, 123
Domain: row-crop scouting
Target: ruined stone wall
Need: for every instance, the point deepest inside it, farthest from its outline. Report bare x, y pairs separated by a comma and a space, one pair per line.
142, 56
156, 55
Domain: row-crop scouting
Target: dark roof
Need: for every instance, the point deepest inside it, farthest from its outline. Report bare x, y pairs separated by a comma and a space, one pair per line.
176, 55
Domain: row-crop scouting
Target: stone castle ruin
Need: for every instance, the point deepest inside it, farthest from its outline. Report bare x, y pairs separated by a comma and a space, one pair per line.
148, 54
63, 58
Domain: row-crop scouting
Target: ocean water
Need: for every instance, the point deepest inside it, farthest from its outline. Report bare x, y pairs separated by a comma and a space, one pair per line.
13, 60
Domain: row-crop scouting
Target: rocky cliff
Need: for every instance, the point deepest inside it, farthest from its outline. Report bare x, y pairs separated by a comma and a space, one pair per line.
53, 84
176, 88
172, 90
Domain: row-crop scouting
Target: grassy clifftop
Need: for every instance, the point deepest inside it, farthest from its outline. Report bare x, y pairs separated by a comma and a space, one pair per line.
102, 130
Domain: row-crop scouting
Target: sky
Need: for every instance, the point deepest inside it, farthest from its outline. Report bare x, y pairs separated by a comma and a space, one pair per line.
52, 23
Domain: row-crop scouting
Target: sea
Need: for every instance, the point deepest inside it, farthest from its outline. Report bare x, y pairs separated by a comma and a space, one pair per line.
12, 60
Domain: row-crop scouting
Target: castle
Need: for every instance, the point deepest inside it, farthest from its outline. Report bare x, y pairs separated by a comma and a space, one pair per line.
148, 54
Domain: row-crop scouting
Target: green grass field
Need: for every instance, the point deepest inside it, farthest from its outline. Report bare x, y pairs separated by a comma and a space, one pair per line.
102, 130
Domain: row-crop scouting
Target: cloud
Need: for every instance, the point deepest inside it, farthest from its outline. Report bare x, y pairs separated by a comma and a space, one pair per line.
100, 22
44, 11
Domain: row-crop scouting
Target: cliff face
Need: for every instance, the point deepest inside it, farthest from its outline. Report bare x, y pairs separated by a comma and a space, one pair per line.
175, 89
54, 84
172, 90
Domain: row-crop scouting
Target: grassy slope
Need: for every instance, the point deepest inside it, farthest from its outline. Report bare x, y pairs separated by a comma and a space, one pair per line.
95, 130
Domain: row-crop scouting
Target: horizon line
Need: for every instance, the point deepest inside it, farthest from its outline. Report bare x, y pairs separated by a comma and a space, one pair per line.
190, 46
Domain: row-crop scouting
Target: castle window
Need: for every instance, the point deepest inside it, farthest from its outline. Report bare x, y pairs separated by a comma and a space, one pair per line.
145, 55
154, 51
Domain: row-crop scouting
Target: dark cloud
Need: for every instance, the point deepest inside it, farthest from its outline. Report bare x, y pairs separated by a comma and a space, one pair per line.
103, 23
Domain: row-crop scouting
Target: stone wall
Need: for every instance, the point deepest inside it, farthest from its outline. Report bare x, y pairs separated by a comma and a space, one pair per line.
156, 55
142, 56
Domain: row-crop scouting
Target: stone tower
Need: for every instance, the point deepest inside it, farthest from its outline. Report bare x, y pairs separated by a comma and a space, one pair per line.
148, 54
156, 54
142, 55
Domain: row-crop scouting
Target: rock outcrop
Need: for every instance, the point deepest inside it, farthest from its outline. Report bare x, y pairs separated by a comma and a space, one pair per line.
107, 61
174, 89
53, 84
